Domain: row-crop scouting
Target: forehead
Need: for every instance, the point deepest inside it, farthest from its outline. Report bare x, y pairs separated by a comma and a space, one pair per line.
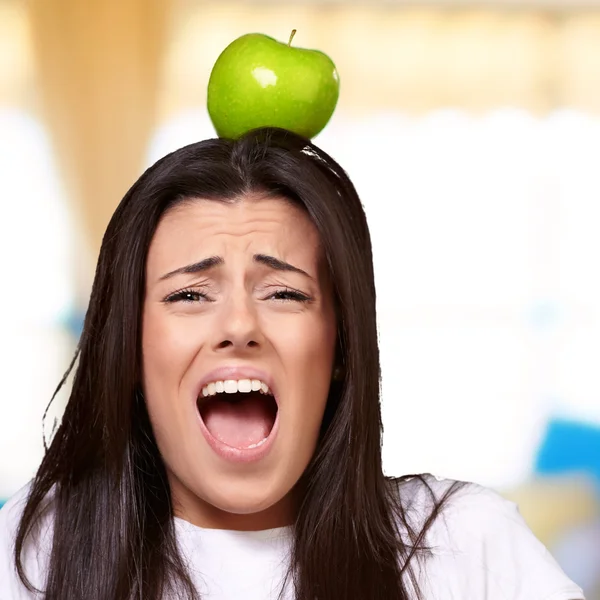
198, 228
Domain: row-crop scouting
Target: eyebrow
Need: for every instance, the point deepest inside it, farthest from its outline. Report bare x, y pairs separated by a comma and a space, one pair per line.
197, 267
278, 265
214, 261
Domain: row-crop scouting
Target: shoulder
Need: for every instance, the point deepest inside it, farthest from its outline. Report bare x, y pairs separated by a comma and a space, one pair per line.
480, 545
35, 553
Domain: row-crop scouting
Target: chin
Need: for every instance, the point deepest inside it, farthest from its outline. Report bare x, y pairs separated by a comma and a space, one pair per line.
243, 506
223, 494
241, 497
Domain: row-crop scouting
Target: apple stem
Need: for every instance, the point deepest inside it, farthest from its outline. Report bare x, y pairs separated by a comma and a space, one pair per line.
292, 37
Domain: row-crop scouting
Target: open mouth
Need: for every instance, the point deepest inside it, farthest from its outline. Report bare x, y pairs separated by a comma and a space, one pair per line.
239, 413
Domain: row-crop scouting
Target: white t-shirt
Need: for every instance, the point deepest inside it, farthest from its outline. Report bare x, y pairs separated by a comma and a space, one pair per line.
482, 550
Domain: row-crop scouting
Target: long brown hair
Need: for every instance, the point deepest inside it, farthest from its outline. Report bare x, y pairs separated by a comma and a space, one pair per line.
114, 536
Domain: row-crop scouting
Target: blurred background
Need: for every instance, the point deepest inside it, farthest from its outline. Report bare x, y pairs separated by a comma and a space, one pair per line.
472, 132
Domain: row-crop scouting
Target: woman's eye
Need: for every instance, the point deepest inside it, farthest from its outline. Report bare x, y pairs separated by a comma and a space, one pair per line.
186, 296
289, 295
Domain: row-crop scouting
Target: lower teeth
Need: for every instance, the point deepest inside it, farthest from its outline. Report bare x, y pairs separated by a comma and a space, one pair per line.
256, 445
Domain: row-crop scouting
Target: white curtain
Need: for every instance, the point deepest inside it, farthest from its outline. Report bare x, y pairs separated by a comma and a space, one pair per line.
36, 291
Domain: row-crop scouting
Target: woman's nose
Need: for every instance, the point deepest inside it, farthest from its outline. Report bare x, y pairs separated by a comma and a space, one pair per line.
238, 325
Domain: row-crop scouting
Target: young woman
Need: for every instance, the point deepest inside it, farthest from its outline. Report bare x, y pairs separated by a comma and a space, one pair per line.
222, 439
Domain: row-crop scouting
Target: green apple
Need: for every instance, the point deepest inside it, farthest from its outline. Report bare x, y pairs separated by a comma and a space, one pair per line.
258, 81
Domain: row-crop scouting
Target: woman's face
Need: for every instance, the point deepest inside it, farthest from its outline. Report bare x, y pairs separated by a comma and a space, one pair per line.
238, 345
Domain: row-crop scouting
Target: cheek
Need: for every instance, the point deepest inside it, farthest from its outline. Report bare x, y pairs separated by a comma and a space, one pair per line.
307, 353
167, 350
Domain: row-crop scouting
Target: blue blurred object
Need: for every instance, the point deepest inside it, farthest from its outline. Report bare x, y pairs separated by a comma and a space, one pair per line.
545, 315
570, 446
73, 322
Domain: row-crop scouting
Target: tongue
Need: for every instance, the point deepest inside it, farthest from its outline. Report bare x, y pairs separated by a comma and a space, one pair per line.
239, 424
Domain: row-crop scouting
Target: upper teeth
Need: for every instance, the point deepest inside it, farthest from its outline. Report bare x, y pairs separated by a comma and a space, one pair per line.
232, 386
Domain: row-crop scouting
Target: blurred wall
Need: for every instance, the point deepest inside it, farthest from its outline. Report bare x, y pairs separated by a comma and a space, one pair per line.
472, 136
